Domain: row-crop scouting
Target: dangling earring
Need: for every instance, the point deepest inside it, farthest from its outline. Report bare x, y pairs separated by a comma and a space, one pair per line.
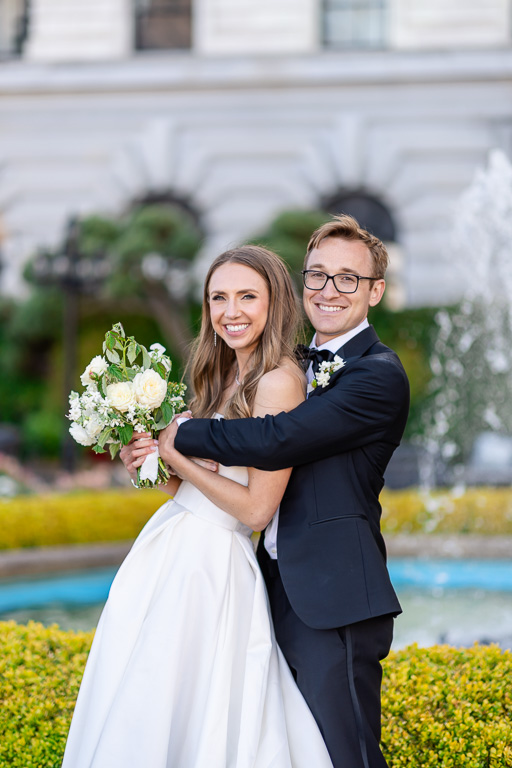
215, 338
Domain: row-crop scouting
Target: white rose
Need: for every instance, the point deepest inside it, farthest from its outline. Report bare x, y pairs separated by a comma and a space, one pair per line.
150, 389
98, 365
93, 427
120, 396
79, 434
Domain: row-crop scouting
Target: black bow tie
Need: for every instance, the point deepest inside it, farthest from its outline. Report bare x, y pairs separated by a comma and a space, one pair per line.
309, 355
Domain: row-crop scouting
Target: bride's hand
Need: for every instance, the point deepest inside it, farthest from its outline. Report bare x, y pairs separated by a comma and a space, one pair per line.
166, 439
206, 463
170, 455
133, 454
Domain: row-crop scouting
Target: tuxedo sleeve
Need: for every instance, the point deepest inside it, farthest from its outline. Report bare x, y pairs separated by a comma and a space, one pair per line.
368, 402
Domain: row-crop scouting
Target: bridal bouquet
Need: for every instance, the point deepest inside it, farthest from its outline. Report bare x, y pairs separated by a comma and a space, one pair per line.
127, 390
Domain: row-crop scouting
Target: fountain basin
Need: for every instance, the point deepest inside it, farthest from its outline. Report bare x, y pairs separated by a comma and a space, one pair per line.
454, 601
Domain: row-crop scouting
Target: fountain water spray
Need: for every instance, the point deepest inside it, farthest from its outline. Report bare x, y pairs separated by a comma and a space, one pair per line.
472, 358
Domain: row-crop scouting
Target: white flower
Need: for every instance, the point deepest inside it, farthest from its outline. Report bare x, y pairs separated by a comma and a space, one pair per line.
121, 395
150, 389
79, 434
98, 366
327, 368
156, 350
93, 427
322, 378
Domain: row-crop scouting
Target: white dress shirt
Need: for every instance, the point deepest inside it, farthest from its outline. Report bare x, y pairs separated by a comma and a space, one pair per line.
332, 346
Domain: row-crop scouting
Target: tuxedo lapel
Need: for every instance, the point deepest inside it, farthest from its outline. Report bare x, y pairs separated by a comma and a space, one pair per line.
349, 352
359, 344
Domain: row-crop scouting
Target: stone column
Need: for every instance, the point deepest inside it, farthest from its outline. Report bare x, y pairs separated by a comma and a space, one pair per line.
438, 24
256, 26
79, 30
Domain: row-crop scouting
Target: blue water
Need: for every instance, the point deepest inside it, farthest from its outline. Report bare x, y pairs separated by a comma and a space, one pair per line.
77, 588
489, 575
90, 587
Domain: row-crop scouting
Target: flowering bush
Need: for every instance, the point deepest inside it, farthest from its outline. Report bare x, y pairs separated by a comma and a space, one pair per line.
75, 518
447, 707
442, 707
486, 511
124, 396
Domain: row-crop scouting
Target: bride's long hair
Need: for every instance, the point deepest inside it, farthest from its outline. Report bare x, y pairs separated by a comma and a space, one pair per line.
211, 366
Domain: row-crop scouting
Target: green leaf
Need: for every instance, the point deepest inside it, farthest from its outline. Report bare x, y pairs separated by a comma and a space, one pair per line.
160, 369
113, 356
114, 449
110, 340
167, 412
98, 449
158, 418
119, 330
125, 433
104, 436
116, 372
146, 360
132, 352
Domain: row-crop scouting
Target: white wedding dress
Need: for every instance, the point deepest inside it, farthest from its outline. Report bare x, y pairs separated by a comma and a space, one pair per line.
184, 670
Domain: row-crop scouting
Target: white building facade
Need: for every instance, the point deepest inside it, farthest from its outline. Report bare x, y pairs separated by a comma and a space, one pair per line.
243, 109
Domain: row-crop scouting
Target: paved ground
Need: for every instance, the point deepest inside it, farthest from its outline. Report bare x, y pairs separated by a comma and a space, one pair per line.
21, 562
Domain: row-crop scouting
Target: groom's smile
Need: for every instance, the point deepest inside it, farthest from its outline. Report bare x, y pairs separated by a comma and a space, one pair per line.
331, 312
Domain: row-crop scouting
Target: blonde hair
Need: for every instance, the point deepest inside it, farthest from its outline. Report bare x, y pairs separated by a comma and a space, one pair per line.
212, 365
347, 228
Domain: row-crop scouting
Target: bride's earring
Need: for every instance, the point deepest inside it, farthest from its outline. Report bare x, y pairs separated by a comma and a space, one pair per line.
215, 338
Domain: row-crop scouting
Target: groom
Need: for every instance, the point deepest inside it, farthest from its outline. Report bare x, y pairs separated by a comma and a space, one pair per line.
323, 555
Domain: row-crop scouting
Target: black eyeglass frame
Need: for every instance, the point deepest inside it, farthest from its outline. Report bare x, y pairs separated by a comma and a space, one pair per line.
304, 272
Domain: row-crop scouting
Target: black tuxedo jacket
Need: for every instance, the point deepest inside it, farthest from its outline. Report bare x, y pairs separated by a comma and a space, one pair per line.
332, 557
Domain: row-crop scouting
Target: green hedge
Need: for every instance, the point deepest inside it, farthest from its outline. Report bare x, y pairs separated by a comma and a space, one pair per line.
485, 511
35, 521
442, 707
39, 521
446, 707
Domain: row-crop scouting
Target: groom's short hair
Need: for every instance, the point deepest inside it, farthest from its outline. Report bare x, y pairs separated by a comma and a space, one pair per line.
347, 228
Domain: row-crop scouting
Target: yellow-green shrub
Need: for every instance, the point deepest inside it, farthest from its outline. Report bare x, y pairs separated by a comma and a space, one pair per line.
445, 707
476, 510
40, 673
38, 521
442, 707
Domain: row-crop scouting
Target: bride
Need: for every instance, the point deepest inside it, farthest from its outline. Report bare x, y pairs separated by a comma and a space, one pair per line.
184, 670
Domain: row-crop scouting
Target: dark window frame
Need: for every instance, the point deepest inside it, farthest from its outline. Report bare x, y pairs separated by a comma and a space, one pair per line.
162, 25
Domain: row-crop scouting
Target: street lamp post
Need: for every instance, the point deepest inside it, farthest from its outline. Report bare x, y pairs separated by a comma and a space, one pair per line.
76, 275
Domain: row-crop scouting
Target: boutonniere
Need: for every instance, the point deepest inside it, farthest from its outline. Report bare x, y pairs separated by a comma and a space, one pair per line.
327, 368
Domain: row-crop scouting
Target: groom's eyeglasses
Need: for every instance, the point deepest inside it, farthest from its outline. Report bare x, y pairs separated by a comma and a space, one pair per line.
315, 281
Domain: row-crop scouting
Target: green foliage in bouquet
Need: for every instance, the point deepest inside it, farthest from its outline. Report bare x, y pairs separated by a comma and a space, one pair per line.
442, 707
128, 391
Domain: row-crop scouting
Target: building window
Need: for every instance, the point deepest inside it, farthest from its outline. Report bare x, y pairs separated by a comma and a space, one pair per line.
354, 23
163, 24
14, 16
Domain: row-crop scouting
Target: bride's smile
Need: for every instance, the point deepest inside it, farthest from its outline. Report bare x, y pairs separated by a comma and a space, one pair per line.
239, 302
